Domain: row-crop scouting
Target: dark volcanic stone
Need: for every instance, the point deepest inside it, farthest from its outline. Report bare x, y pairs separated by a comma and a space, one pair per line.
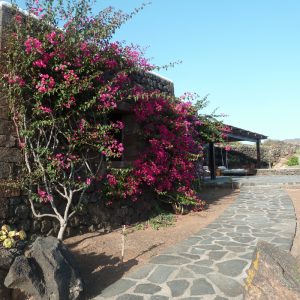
147, 288
47, 272
201, 287
178, 287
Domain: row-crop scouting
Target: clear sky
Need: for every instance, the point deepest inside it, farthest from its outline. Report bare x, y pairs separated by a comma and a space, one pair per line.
244, 53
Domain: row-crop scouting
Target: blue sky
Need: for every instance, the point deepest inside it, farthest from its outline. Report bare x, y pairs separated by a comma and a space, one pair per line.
244, 53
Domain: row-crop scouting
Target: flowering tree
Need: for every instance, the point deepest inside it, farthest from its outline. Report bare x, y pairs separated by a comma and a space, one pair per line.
63, 85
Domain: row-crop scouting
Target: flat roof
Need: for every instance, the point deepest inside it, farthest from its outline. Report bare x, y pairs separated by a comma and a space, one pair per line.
238, 134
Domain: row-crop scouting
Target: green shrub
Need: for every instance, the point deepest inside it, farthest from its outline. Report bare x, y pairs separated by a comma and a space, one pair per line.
293, 161
162, 220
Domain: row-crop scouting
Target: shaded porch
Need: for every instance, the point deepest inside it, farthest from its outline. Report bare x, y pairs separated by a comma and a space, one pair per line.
236, 135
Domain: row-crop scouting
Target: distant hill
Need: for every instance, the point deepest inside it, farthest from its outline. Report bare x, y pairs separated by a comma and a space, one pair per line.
292, 141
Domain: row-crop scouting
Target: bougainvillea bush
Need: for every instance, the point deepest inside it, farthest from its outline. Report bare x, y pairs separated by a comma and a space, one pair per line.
64, 78
171, 128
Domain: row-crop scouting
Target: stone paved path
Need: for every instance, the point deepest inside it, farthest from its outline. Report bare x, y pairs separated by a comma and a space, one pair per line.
212, 264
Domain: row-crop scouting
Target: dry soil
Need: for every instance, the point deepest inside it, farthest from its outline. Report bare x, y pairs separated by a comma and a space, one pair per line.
99, 255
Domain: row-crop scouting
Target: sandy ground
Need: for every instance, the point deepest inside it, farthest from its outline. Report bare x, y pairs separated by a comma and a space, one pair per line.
282, 163
295, 196
99, 256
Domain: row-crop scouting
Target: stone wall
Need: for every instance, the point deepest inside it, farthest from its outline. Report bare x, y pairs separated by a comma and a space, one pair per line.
9, 154
273, 172
95, 215
152, 81
244, 155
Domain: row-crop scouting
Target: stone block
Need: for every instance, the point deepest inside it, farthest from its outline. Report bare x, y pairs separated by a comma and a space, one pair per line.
201, 287
3, 104
147, 288
7, 190
6, 170
10, 155
22, 211
24, 225
7, 257
85, 220
35, 226
47, 272
97, 211
74, 221
5, 293
11, 141
4, 209
46, 226
5, 126
274, 274
3, 139
3, 109
15, 201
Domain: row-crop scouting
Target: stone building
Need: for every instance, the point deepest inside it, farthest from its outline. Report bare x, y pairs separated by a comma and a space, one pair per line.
13, 207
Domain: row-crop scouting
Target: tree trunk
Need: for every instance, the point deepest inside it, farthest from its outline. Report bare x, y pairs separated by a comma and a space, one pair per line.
63, 226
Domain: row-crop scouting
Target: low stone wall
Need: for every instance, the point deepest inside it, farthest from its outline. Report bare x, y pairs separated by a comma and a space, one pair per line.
94, 215
271, 172
243, 155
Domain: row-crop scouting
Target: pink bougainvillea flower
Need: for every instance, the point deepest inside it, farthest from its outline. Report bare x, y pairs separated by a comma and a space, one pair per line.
16, 80
51, 37
39, 63
44, 196
71, 102
111, 179
46, 84
33, 45
45, 109
70, 77
111, 64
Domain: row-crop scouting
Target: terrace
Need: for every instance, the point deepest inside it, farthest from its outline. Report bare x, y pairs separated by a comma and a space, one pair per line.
236, 135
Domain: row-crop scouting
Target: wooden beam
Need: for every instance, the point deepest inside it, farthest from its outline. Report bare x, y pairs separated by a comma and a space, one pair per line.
212, 160
258, 162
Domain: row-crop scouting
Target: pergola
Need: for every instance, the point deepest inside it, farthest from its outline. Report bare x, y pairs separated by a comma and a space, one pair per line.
236, 135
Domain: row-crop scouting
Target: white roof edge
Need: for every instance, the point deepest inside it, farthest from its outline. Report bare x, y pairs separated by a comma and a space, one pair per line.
160, 76
25, 12
4, 3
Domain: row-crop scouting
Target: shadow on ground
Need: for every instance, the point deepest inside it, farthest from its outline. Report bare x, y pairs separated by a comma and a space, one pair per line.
101, 270
212, 195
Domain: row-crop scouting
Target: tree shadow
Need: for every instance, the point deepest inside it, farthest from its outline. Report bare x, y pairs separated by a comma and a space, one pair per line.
212, 195
89, 237
100, 270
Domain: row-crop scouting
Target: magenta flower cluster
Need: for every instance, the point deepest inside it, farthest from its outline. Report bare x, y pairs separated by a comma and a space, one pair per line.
171, 130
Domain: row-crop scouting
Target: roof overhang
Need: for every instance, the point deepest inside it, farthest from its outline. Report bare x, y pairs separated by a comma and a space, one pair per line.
238, 134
